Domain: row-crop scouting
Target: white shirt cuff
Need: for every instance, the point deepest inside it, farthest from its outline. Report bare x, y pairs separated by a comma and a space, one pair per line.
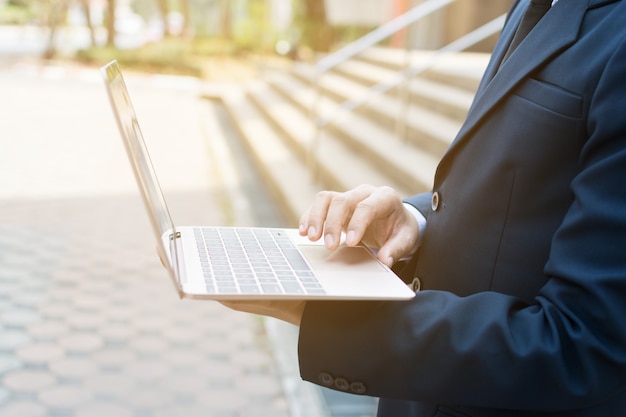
421, 222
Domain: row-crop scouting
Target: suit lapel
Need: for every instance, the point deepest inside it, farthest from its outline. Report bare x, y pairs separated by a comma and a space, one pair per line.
508, 31
558, 29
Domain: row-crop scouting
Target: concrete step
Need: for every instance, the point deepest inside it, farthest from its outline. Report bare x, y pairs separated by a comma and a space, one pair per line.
337, 163
290, 181
441, 97
461, 69
433, 136
402, 165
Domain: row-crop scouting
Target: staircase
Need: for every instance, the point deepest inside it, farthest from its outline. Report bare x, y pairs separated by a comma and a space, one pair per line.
275, 119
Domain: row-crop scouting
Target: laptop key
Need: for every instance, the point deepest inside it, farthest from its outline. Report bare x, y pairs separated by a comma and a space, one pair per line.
271, 289
296, 260
250, 289
292, 287
229, 289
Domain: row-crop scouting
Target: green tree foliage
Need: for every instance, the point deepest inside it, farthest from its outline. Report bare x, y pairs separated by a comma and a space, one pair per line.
316, 32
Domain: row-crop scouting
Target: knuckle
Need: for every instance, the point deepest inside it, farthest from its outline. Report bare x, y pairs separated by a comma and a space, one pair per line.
364, 188
339, 198
388, 192
324, 195
365, 204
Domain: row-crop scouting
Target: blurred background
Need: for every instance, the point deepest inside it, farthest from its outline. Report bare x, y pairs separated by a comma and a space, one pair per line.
180, 36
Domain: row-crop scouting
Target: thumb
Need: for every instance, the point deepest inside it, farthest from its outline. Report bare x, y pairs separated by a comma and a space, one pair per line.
397, 247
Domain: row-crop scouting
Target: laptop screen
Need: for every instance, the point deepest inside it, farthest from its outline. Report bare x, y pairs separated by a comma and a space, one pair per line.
136, 149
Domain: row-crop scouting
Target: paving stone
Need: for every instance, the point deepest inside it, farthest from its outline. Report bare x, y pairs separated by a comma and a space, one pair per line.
73, 368
184, 357
86, 320
81, 342
55, 310
120, 311
19, 317
184, 384
109, 384
147, 399
12, 339
182, 335
27, 380
224, 400
216, 369
28, 298
251, 359
117, 332
103, 410
39, 353
64, 397
276, 408
216, 347
113, 357
259, 385
99, 285
194, 411
48, 329
90, 302
71, 276
147, 370
241, 336
23, 409
150, 324
4, 395
8, 363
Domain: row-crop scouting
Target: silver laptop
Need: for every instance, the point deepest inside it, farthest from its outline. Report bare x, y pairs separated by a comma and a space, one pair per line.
245, 263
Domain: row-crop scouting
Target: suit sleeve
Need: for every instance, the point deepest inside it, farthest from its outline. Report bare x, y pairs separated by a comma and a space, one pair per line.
564, 349
421, 202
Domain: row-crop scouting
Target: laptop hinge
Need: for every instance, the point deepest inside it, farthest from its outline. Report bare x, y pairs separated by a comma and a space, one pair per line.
174, 235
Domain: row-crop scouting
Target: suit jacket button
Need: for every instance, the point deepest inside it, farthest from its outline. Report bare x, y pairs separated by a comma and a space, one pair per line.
358, 388
326, 379
435, 201
342, 384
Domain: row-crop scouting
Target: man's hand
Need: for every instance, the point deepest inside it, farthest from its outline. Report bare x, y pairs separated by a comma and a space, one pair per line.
375, 216
286, 310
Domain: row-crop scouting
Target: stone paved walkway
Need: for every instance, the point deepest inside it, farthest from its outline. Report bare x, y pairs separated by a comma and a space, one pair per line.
90, 326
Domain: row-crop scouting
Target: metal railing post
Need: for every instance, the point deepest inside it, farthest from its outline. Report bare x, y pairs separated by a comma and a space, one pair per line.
384, 31
311, 159
401, 77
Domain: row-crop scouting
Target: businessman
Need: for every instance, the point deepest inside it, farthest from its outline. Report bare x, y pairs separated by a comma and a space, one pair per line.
519, 251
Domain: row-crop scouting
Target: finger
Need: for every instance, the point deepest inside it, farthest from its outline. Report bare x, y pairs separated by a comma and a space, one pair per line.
402, 243
364, 214
340, 213
396, 248
378, 206
287, 310
303, 227
312, 222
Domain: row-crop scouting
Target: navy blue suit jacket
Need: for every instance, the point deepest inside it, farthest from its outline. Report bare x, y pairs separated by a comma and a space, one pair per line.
522, 308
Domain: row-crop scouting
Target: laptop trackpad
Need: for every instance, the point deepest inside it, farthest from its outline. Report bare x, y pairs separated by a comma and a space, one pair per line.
348, 258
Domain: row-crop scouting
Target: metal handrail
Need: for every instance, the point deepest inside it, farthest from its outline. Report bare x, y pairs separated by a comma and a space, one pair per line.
464, 42
383, 32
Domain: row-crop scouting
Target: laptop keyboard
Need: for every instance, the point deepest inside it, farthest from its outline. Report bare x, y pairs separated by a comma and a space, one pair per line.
253, 261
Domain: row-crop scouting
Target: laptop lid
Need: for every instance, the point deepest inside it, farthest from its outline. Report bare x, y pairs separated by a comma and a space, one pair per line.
142, 167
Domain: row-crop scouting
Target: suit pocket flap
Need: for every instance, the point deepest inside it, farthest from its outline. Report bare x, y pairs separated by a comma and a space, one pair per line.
551, 97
